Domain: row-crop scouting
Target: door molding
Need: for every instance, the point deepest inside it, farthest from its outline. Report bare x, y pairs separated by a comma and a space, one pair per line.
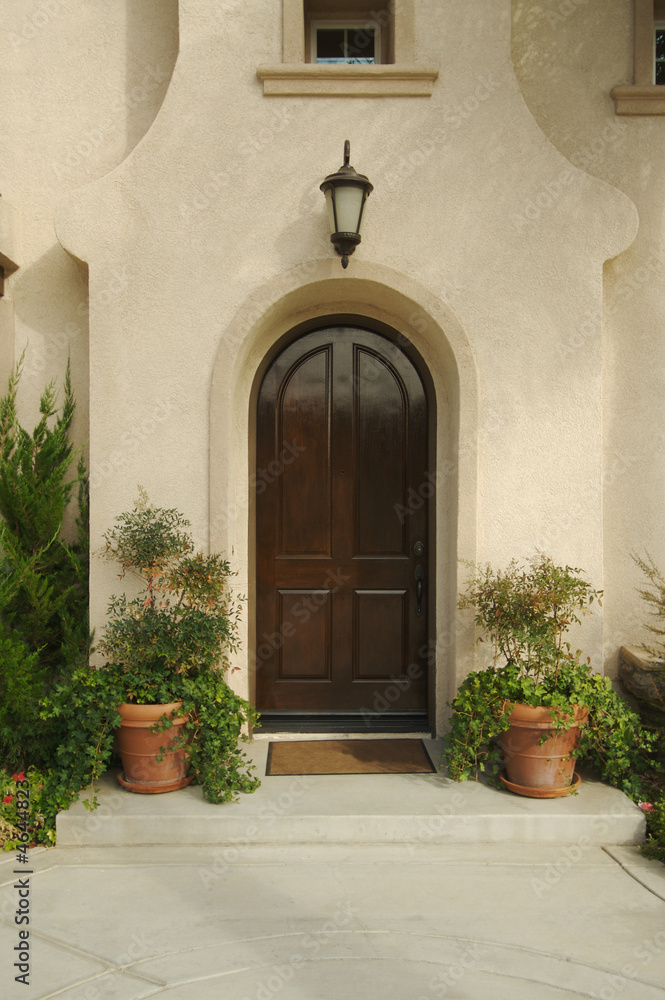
310, 295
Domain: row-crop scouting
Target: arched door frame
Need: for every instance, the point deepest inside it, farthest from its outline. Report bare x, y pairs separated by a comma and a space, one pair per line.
423, 496
423, 325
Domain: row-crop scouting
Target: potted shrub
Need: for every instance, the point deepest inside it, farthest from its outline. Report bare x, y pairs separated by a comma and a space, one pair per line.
164, 680
538, 707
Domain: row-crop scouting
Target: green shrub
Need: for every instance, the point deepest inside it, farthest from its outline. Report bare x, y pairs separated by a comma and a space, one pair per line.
655, 816
22, 822
44, 631
524, 613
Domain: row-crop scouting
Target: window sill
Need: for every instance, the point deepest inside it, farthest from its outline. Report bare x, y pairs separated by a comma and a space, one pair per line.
638, 99
313, 80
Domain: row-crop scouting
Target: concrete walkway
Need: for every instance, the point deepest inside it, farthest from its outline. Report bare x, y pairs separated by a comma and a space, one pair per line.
331, 922
366, 887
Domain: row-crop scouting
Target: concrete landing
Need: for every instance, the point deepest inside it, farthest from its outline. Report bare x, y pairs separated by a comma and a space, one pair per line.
410, 809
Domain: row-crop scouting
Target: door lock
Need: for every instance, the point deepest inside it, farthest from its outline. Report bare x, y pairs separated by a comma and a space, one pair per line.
419, 549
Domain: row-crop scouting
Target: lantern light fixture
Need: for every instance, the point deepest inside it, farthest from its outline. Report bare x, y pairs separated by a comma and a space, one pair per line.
346, 193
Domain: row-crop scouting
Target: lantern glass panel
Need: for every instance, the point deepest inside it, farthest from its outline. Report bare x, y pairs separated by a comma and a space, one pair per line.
349, 201
331, 211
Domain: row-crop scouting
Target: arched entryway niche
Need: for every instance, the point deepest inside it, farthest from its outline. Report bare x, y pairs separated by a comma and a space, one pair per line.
401, 310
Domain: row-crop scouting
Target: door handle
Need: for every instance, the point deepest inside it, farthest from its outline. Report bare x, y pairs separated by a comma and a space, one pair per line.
420, 586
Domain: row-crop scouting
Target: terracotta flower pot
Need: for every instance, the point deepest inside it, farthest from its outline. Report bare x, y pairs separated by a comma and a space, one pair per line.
139, 749
540, 770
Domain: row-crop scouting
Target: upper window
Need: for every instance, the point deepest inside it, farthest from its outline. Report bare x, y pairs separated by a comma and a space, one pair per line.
345, 42
646, 94
348, 48
659, 53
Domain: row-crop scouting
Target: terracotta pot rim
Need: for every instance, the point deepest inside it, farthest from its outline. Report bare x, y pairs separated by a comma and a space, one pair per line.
541, 715
133, 713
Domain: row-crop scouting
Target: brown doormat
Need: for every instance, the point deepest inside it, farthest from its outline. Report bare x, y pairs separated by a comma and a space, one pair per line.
348, 757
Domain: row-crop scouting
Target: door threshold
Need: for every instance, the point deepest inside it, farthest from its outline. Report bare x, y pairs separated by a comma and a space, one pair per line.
365, 724
284, 737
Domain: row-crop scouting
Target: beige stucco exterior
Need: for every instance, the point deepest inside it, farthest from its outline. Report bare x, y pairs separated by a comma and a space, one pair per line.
171, 231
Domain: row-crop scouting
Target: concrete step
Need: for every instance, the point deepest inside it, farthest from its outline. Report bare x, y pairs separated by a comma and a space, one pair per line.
362, 809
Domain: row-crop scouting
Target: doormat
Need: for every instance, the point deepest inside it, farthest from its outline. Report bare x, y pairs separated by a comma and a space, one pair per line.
348, 757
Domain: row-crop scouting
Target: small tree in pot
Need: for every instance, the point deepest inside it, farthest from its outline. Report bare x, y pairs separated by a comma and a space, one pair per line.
538, 701
167, 655
168, 647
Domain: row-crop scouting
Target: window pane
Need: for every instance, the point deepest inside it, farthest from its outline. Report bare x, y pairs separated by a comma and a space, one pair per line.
360, 45
345, 45
330, 45
660, 55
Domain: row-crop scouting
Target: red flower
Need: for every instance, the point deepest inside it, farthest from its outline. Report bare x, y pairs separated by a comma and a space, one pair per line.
8, 798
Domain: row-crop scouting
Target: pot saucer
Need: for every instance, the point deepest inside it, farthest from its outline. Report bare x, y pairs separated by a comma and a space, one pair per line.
152, 787
543, 793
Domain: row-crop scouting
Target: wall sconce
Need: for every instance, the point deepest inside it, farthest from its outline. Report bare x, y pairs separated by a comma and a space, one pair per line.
346, 193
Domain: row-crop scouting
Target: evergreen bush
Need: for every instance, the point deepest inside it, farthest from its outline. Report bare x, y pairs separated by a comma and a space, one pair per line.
44, 632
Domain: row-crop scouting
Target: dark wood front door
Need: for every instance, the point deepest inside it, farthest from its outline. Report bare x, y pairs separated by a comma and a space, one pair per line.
342, 575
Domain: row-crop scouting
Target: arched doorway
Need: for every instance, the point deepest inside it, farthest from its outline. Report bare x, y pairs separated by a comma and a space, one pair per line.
343, 535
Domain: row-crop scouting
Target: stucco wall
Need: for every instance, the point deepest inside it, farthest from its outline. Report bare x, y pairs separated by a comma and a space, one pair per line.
482, 243
80, 83
568, 58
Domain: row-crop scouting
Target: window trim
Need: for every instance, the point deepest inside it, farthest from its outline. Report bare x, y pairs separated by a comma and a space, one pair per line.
643, 96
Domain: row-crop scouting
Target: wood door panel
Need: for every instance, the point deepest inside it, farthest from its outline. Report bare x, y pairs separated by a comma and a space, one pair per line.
303, 424
380, 432
342, 436
304, 626
380, 627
